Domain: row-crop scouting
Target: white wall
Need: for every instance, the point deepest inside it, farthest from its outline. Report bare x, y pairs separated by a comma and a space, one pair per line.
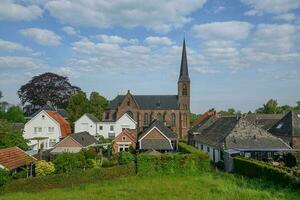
85, 124
43, 121
211, 151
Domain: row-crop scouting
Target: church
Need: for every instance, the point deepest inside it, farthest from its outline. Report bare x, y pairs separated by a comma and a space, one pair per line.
172, 110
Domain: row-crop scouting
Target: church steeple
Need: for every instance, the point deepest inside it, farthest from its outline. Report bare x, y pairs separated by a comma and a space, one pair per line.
184, 72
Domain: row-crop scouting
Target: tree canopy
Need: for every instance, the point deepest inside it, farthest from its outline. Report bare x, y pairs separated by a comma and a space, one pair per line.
272, 107
98, 104
47, 87
14, 114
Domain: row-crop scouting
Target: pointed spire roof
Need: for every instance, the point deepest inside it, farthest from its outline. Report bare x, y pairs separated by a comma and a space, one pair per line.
184, 72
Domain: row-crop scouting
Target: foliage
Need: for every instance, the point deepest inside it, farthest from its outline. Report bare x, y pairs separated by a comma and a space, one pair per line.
103, 140
125, 158
47, 87
193, 118
23, 173
4, 176
14, 114
89, 153
44, 168
78, 105
98, 104
68, 162
93, 163
272, 107
259, 169
37, 184
290, 160
185, 148
10, 137
109, 162
230, 112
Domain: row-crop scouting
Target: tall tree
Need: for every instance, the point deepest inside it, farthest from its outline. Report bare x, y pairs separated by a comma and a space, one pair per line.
78, 105
47, 87
98, 103
298, 106
15, 114
271, 107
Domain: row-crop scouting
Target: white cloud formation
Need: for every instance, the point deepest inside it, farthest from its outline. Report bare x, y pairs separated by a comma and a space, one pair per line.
70, 30
157, 41
205, 70
42, 36
12, 46
259, 7
230, 30
114, 39
20, 63
157, 15
11, 11
286, 17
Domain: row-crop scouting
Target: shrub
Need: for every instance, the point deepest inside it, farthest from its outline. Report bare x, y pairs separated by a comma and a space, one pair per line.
44, 168
125, 158
93, 163
185, 148
68, 162
290, 160
109, 163
36, 184
259, 169
4, 176
20, 174
89, 153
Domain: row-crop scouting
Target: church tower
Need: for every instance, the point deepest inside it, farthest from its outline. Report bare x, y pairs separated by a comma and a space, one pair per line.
184, 95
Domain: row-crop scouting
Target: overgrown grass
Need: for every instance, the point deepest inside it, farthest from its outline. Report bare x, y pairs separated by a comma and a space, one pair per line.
204, 186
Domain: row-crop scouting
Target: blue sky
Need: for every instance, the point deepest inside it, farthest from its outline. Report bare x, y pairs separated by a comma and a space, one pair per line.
240, 53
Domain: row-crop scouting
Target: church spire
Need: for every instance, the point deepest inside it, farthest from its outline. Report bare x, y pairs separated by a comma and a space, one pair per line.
184, 72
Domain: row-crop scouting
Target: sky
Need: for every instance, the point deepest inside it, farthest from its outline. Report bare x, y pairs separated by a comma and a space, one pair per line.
240, 52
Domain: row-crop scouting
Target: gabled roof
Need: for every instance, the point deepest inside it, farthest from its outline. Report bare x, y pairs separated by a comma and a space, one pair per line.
149, 102
161, 127
64, 124
92, 117
13, 157
265, 121
84, 138
205, 123
184, 72
131, 134
289, 125
62, 112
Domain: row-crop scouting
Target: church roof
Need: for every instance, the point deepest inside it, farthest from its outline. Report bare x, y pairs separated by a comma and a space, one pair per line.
184, 72
149, 102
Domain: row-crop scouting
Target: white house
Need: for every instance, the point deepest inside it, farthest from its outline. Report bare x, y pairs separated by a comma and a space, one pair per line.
45, 129
88, 123
110, 129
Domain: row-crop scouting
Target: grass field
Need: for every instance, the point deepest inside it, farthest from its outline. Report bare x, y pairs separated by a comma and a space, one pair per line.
205, 186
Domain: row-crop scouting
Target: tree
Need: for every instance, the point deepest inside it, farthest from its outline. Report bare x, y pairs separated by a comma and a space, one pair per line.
78, 105
98, 104
298, 106
271, 107
193, 118
10, 137
14, 114
68, 162
47, 87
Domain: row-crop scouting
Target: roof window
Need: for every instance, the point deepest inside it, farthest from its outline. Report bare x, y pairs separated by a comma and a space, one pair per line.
279, 125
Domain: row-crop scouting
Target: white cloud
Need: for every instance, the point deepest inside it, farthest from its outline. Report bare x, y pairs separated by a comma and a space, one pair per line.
42, 36
12, 46
20, 63
286, 17
157, 15
259, 7
16, 12
114, 39
70, 30
157, 41
230, 30
205, 70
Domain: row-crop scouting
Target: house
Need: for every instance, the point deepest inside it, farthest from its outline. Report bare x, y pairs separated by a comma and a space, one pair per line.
15, 159
74, 143
174, 110
45, 129
157, 137
126, 139
87, 122
111, 129
288, 128
235, 135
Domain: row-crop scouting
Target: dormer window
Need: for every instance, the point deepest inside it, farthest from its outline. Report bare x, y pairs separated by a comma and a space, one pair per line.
279, 125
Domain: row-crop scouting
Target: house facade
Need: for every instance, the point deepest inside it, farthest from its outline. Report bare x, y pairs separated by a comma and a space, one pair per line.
45, 129
126, 139
88, 123
174, 110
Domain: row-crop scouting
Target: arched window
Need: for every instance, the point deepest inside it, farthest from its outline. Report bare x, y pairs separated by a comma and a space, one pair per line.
146, 119
128, 103
184, 90
173, 118
130, 114
184, 120
159, 117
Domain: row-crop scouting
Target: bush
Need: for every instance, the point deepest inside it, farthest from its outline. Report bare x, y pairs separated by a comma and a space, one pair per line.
4, 176
125, 158
93, 163
185, 148
44, 168
68, 162
37, 184
89, 153
20, 174
259, 169
109, 163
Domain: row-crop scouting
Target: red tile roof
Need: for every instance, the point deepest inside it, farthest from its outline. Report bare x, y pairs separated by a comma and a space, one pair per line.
130, 133
204, 116
13, 157
64, 124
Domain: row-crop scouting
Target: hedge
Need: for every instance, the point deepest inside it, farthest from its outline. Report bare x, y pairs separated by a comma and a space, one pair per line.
35, 184
259, 169
190, 162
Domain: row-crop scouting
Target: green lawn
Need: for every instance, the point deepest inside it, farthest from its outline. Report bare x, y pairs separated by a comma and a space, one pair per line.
206, 186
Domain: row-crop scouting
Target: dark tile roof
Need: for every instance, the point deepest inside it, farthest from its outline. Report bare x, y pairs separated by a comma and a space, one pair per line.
84, 138
92, 117
265, 121
289, 125
165, 130
152, 144
209, 120
149, 102
62, 112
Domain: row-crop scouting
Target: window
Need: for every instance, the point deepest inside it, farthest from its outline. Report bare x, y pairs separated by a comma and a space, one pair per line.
124, 138
208, 149
37, 129
279, 125
173, 117
100, 127
111, 128
184, 121
184, 90
50, 129
123, 147
146, 119
52, 142
111, 135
